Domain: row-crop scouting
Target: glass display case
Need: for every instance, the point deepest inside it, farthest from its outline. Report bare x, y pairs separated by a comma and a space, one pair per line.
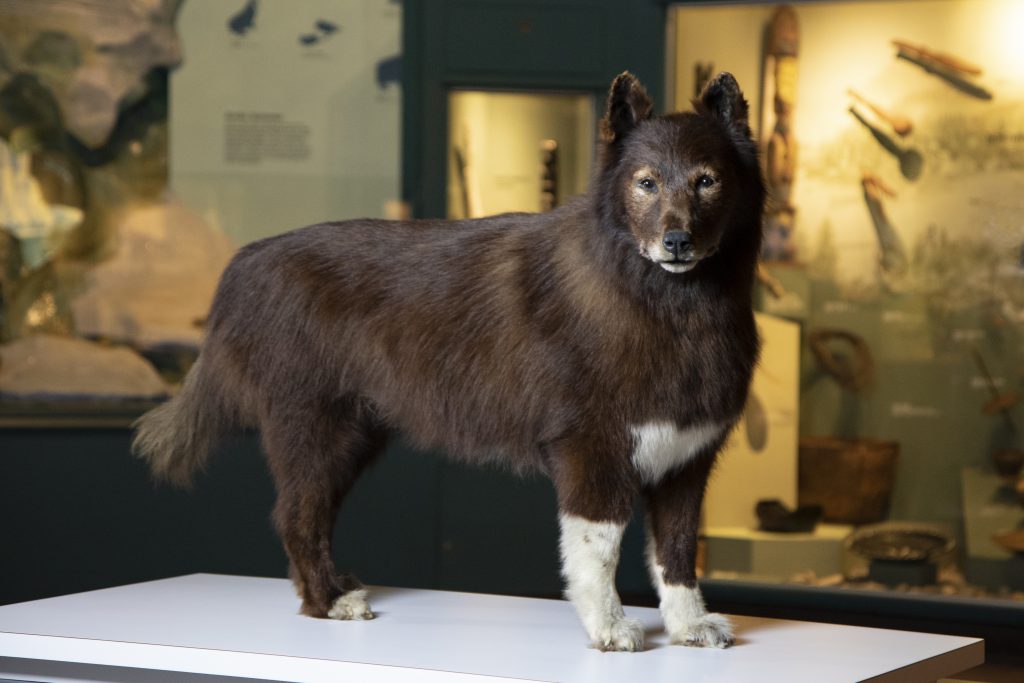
142, 142
517, 151
893, 145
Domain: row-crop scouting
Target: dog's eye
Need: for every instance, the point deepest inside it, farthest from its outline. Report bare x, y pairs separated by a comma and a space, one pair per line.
705, 181
648, 184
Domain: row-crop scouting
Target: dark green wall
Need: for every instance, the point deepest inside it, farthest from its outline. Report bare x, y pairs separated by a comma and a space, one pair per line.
563, 45
80, 513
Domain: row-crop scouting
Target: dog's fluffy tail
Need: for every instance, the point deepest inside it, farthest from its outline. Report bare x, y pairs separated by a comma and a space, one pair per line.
176, 437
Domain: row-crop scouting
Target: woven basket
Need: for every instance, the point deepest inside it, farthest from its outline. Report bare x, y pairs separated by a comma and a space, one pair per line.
851, 479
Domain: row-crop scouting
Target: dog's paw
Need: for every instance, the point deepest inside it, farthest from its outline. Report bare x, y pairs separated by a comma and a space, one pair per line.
620, 635
710, 630
351, 606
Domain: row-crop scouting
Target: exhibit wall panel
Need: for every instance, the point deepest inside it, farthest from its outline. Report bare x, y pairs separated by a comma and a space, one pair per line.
290, 122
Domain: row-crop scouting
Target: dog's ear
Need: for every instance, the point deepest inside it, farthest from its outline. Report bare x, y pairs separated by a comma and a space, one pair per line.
628, 105
722, 99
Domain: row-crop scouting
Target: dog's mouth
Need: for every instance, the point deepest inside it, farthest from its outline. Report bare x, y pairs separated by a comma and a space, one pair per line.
682, 262
679, 265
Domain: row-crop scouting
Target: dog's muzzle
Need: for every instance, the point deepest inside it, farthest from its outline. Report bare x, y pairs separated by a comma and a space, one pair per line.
679, 255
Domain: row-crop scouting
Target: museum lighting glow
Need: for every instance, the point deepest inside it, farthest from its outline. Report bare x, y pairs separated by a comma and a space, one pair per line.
1007, 21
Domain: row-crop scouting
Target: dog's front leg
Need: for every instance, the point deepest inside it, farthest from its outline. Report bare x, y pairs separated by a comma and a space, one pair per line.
595, 503
590, 555
674, 506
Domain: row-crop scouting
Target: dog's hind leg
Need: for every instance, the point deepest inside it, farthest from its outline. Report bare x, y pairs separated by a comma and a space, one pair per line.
674, 505
316, 450
595, 498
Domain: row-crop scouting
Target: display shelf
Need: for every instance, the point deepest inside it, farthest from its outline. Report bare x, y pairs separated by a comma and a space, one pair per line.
776, 555
230, 626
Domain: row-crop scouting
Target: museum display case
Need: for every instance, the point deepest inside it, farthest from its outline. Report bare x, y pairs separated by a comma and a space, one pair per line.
893, 145
517, 151
141, 143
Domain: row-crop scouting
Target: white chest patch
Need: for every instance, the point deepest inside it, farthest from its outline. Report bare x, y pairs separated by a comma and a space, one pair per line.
662, 447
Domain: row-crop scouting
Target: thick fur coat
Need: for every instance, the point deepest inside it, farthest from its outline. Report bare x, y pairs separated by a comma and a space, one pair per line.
609, 343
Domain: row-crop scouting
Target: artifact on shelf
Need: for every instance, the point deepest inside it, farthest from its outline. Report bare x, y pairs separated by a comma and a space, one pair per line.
756, 418
773, 515
855, 375
548, 174
902, 553
910, 160
892, 257
1012, 541
940, 59
770, 282
999, 402
955, 71
24, 212
852, 479
901, 125
32, 231
1008, 462
780, 154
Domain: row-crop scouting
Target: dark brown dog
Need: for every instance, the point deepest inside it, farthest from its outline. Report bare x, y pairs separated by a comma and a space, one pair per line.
609, 343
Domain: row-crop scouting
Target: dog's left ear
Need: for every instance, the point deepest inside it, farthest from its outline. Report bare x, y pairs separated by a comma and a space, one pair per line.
722, 99
628, 105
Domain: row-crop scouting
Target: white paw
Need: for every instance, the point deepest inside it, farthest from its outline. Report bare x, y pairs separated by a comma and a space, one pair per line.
351, 606
710, 630
620, 635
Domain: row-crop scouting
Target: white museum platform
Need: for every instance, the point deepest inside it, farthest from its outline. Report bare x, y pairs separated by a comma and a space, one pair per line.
215, 628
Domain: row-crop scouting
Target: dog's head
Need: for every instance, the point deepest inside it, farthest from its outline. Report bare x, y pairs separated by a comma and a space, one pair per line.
684, 186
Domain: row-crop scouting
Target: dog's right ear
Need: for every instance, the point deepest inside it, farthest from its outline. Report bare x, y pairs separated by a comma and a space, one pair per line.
628, 105
722, 99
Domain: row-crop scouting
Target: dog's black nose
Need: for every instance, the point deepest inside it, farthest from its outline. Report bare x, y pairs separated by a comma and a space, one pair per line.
677, 242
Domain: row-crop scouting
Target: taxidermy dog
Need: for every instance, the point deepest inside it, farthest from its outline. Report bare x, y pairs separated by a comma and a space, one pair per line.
608, 343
